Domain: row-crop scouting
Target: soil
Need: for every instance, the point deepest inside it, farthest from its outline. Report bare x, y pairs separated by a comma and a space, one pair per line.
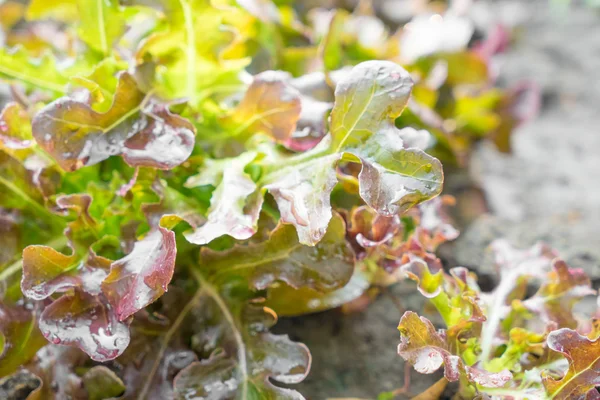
547, 189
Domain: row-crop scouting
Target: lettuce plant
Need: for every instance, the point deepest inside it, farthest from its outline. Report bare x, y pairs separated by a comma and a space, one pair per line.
507, 343
175, 173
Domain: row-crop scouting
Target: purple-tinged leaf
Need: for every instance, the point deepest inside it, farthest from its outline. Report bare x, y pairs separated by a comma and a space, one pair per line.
142, 356
165, 142
47, 271
535, 261
88, 322
555, 299
143, 275
312, 125
159, 345
396, 174
271, 105
279, 358
235, 203
82, 232
393, 177
426, 350
429, 283
434, 222
487, 379
145, 132
270, 357
582, 377
214, 378
370, 229
303, 196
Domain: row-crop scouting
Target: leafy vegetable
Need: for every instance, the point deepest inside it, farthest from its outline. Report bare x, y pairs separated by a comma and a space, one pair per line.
503, 344
76, 135
175, 173
424, 348
143, 275
581, 378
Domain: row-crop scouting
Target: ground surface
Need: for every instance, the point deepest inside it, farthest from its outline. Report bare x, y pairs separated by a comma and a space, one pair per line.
548, 189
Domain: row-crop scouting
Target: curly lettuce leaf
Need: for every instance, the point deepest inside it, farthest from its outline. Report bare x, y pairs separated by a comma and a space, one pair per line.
303, 195
101, 23
395, 173
101, 295
282, 257
270, 105
259, 358
394, 176
516, 268
582, 377
426, 349
555, 299
235, 204
47, 271
192, 50
85, 321
143, 275
143, 131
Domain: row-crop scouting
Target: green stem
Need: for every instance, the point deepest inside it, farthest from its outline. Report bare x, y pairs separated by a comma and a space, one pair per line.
285, 166
167, 339
191, 47
41, 210
241, 347
100, 15
51, 87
